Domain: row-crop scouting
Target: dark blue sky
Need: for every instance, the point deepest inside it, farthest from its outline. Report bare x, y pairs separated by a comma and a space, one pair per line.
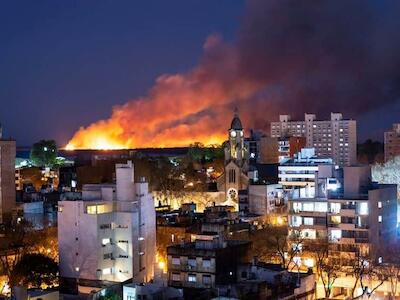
64, 64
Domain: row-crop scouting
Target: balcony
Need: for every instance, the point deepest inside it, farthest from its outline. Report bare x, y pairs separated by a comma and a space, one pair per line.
347, 226
362, 240
348, 212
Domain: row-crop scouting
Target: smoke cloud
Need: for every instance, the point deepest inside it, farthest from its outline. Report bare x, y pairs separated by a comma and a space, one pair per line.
289, 57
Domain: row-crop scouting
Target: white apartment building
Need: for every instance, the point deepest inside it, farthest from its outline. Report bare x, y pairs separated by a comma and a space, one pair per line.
298, 175
392, 142
335, 138
109, 235
357, 215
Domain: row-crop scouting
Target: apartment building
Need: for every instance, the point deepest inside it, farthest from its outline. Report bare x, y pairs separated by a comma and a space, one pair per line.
355, 214
7, 177
298, 175
208, 261
109, 235
335, 138
288, 147
392, 142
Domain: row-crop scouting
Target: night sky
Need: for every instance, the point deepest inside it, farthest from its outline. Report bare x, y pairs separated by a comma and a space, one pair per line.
65, 64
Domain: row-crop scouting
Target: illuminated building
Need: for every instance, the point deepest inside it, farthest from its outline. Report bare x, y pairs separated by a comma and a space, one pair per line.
335, 138
110, 234
298, 175
236, 163
392, 142
7, 176
355, 214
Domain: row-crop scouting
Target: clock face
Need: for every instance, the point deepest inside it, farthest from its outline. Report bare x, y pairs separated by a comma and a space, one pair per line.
233, 133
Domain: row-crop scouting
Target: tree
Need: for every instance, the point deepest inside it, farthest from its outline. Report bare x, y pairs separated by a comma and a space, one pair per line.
110, 295
388, 172
284, 245
16, 242
44, 153
328, 269
34, 270
390, 267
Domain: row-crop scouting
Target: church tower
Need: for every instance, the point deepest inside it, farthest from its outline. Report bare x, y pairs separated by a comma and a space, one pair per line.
236, 150
236, 162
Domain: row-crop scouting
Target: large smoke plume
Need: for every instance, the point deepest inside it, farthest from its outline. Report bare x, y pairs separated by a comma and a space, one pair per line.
289, 57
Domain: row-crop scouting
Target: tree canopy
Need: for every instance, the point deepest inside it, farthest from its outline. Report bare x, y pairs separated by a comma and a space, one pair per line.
33, 270
44, 153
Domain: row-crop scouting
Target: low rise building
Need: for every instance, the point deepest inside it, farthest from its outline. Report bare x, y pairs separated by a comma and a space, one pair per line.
205, 263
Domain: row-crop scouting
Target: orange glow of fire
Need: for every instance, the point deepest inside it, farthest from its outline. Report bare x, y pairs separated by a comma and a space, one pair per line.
180, 109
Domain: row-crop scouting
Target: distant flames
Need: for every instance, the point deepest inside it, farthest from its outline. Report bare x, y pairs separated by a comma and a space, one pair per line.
309, 62
179, 110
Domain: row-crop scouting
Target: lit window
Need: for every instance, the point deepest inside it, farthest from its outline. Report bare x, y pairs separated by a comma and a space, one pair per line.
335, 208
176, 261
363, 208
380, 260
321, 206
309, 262
380, 219
336, 234
379, 204
308, 206
308, 221
295, 221
107, 271
105, 241
192, 277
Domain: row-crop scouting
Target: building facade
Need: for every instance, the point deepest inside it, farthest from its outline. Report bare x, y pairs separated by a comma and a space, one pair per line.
109, 235
7, 177
392, 142
356, 215
298, 176
335, 138
206, 262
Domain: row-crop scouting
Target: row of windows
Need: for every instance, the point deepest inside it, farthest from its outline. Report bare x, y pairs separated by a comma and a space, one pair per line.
192, 278
192, 262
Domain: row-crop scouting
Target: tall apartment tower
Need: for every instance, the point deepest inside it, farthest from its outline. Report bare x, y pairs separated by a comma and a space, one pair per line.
392, 142
335, 138
7, 176
109, 235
